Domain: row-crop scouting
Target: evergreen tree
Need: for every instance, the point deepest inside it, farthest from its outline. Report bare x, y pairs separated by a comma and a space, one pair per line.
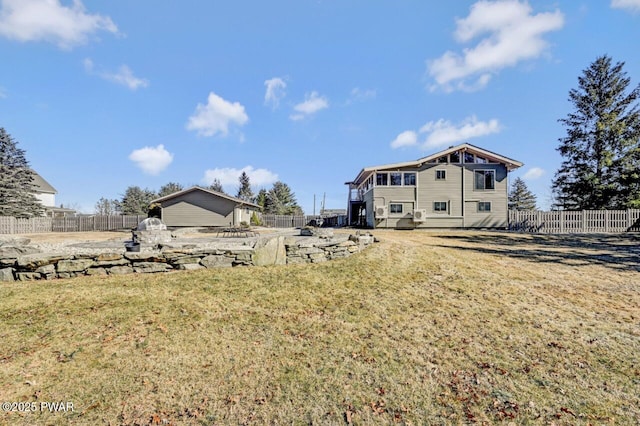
244, 191
170, 188
17, 188
601, 150
217, 186
261, 198
281, 200
520, 197
106, 207
136, 200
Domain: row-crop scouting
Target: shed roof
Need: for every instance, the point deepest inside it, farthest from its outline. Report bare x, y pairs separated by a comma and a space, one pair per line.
206, 191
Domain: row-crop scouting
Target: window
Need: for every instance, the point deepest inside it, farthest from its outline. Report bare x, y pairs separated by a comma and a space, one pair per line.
442, 159
454, 157
484, 206
440, 206
409, 179
396, 178
468, 157
441, 174
395, 208
481, 160
485, 179
382, 179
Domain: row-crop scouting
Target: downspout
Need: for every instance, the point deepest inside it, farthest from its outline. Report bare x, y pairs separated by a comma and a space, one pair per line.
464, 221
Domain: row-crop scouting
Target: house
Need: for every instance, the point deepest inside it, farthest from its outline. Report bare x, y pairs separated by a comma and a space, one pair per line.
203, 207
463, 186
46, 194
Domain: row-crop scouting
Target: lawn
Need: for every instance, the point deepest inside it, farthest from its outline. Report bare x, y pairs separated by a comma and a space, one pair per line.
421, 328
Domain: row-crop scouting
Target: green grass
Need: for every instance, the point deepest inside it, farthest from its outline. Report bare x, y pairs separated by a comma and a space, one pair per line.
423, 328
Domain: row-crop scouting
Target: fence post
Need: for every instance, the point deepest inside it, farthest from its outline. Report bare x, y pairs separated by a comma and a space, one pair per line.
629, 220
584, 221
607, 218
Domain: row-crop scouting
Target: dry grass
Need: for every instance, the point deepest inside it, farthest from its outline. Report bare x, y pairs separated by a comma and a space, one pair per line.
423, 328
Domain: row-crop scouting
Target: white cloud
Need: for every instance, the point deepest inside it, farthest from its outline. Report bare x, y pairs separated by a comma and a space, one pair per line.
275, 91
124, 76
151, 160
443, 132
50, 21
313, 103
216, 116
362, 95
406, 138
512, 34
533, 173
229, 177
630, 5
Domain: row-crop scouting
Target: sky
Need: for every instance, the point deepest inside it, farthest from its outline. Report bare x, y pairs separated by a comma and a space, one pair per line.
103, 95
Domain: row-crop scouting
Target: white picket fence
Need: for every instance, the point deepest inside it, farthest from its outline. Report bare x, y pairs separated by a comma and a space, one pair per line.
573, 222
12, 225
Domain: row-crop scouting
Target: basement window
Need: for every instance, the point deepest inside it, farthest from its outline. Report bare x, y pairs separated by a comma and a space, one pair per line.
440, 206
395, 208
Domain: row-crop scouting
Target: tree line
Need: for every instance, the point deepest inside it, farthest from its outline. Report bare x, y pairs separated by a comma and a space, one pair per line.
280, 199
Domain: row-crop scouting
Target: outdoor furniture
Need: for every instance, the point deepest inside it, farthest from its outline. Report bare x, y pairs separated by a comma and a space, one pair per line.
236, 232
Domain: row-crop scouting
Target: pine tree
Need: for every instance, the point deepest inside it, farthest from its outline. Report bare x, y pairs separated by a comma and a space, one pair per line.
244, 191
217, 186
106, 207
136, 200
601, 150
170, 188
281, 200
261, 198
520, 197
17, 188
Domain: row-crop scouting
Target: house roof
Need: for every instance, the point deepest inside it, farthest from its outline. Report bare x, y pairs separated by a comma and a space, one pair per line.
42, 185
510, 163
207, 191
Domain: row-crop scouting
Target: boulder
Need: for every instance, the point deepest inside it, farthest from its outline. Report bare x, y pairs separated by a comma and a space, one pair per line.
151, 267
75, 265
151, 224
34, 261
6, 274
217, 261
270, 252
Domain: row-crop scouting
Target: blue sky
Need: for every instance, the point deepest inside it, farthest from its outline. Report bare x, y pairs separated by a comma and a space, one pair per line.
107, 94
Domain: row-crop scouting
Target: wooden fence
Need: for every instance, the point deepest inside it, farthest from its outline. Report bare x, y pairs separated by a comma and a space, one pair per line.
11, 225
574, 222
282, 221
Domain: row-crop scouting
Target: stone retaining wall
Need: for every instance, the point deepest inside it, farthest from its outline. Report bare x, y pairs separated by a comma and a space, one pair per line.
278, 250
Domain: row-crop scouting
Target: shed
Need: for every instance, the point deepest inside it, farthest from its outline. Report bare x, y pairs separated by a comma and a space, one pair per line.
197, 206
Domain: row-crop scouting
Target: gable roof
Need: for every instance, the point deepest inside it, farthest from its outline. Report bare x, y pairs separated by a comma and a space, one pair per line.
207, 191
41, 185
508, 162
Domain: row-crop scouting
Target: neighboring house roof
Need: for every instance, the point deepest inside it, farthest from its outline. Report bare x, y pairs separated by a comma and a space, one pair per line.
510, 163
42, 186
208, 191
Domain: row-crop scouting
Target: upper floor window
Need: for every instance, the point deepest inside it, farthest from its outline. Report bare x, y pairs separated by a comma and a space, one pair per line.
454, 157
481, 160
382, 179
409, 179
441, 174
442, 159
396, 178
485, 179
468, 157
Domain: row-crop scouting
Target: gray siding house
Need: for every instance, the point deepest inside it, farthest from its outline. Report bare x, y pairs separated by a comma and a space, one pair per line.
203, 207
463, 186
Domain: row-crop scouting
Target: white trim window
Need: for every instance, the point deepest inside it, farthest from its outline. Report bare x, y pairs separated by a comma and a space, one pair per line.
441, 174
395, 179
395, 208
484, 180
484, 207
382, 179
440, 206
410, 179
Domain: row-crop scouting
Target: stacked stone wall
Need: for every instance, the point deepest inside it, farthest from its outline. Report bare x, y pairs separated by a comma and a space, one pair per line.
37, 266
